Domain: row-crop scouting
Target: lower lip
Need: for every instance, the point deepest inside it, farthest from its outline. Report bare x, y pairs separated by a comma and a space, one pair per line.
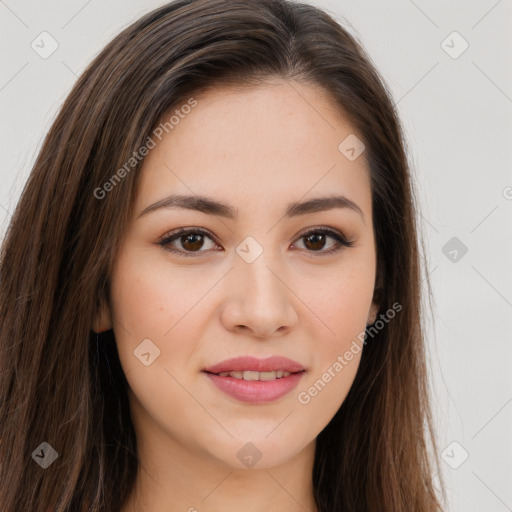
256, 391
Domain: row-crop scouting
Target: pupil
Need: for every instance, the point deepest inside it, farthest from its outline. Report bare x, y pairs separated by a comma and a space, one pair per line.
194, 241
318, 240
189, 239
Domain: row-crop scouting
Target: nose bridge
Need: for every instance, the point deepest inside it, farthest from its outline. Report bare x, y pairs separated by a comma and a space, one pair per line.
259, 270
257, 295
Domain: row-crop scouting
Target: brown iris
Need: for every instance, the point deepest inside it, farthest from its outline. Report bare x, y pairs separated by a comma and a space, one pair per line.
317, 241
192, 241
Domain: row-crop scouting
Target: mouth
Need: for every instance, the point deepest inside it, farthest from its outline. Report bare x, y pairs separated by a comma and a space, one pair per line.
255, 388
249, 375
250, 366
256, 381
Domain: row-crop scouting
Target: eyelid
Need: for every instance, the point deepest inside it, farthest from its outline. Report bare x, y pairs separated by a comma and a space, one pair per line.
171, 236
166, 239
338, 235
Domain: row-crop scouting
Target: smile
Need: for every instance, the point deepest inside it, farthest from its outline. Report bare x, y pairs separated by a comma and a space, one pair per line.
250, 375
256, 387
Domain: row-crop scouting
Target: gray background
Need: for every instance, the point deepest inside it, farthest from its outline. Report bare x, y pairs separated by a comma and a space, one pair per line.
457, 117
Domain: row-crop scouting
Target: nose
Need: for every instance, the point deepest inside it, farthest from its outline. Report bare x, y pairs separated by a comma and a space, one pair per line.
258, 301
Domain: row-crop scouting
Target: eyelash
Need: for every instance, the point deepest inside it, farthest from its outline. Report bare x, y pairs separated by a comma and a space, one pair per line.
178, 233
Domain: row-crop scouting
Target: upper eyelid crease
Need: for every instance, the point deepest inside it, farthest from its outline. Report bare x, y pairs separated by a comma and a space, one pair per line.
333, 233
212, 207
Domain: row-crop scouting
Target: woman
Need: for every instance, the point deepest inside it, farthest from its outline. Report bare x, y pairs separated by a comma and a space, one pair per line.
210, 287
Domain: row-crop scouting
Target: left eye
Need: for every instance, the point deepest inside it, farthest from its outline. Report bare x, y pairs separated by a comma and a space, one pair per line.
316, 240
192, 241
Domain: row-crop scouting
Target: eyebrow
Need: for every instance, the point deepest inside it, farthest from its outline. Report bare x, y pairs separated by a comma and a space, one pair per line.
210, 206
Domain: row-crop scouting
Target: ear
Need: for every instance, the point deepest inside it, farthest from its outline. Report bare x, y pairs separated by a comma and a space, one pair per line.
103, 318
378, 295
375, 306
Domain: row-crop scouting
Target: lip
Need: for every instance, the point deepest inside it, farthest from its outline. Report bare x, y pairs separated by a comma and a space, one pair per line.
253, 364
255, 391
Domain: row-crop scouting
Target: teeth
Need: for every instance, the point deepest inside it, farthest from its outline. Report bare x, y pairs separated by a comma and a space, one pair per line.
248, 375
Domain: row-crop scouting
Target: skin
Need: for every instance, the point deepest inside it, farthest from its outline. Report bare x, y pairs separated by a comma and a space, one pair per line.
257, 149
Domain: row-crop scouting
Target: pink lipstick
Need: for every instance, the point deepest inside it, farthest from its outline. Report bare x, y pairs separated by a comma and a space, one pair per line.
256, 381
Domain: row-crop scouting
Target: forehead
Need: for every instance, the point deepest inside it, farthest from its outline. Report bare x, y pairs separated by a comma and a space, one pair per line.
276, 141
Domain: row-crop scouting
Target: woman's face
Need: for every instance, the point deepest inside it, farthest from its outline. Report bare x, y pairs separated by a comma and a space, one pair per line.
255, 277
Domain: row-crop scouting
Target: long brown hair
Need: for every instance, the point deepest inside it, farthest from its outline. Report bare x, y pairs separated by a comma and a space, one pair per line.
63, 385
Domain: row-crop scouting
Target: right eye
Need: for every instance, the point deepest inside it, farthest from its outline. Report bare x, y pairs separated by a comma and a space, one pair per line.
190, 239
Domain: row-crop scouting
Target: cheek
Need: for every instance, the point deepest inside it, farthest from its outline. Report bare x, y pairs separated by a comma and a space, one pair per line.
149, 296
151, 308
150, 303
140, 296
339, 300
340, 307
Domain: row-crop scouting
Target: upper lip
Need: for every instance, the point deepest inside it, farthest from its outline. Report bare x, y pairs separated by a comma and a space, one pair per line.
248, 363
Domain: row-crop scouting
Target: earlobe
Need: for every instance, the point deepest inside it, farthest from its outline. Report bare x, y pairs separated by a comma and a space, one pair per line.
373, 314
103, 320
374, 308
